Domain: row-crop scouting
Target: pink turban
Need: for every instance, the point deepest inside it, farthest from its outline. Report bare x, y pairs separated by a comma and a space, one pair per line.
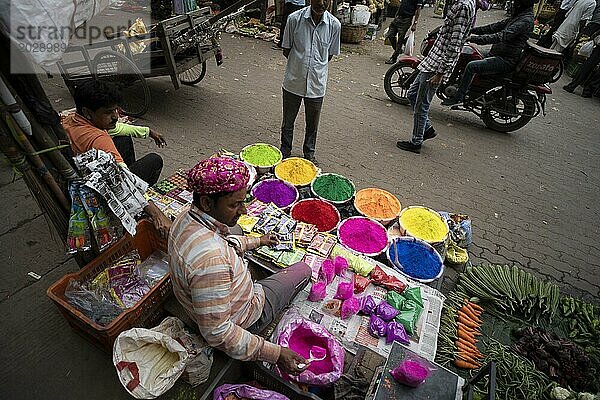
218, 174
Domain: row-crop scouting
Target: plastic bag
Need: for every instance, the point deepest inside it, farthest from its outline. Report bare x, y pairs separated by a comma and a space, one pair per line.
396, 332
345, 290
200, 354
409, 315
332, 307
349, 308
360, 283
409, 47
412, 371
377, 326
456, 255
378, 276
414, 294
148, 362
367, 305
393, 283
97, 214
586, 49
318, 291
154, 268
98, 305
224, 392
78, 234
460, 228
385, 311
300, 335
341, 265
394, 299
327, 272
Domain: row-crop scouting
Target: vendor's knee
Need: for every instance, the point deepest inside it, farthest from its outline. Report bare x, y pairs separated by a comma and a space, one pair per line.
155, 160
303, 268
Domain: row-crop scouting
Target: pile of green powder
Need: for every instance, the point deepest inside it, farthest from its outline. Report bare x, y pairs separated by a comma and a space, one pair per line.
261, 155
333, 187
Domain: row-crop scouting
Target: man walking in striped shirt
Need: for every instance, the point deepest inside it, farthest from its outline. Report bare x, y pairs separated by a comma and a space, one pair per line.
434, 68
211, 278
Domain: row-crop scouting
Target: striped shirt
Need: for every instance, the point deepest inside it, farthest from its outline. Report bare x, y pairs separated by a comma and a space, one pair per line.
450, 40
212, 282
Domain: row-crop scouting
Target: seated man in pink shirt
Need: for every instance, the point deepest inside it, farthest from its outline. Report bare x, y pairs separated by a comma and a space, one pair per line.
210, 276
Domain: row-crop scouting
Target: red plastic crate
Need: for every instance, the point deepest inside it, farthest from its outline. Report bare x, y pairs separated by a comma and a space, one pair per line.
146, 313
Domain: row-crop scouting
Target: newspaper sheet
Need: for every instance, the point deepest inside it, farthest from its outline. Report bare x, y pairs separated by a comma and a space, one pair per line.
353, 331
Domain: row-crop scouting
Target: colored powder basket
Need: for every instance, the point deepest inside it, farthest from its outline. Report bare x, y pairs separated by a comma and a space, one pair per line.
316, 212
363, 235
416, 259
281, 193
333, 187
261, 155
378, 204
296, 170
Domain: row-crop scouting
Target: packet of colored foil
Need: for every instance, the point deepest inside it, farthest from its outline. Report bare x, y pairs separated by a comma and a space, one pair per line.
285, 242
322, 244
288, 258
314, 262
304, 234
78, 234
286, 225
104, 231
255, 208
265, 224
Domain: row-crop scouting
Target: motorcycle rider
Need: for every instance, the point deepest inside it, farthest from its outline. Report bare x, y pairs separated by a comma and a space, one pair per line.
508, 38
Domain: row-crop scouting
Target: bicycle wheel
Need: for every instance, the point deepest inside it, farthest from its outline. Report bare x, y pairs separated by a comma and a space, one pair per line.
119, 70
193, 75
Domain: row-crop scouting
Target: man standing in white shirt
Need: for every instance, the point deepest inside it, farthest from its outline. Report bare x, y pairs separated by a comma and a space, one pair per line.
575, 20
310, 40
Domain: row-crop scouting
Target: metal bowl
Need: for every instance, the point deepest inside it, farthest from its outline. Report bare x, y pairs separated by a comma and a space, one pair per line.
339, 218
358, 251
398, 265
312, 166
262, 169
253, 192
339, 203
384, 221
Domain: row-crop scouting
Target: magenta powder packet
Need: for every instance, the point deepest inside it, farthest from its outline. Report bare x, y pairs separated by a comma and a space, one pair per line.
327, 271
396, 332
367, 305
341, 265
318, 291
377, 326
345, 290
350, 307
410, 373
385, 311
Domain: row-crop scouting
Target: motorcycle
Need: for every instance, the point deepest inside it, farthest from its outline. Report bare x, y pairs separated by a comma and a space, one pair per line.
505, 103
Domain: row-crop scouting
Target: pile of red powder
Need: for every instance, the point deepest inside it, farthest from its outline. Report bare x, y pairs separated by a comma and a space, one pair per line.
316, 212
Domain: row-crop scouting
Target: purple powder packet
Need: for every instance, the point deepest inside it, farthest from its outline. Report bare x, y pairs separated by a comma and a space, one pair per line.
318, 291
377, 326
327, 271
349, 307
367, 305
396, 331
341, 265
410, 373
345, 290
385, 311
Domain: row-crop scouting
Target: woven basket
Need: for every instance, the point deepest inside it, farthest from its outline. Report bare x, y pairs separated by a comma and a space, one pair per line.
353, 33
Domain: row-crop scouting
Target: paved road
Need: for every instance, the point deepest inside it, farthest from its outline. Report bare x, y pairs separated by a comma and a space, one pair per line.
532, 194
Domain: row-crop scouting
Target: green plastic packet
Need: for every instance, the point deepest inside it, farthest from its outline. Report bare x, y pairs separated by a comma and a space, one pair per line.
414, 294
409, 315
394, 299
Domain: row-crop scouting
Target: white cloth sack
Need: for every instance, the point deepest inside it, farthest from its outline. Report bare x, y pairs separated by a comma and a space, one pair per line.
148, 362
586, 49
409, 48
199, 362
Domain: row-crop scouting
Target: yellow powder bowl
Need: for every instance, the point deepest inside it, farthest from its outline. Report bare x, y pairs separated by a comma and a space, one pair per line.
423, 223
377, 204
297, 171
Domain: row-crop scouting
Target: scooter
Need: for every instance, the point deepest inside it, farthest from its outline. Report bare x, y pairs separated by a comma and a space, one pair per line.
505, 103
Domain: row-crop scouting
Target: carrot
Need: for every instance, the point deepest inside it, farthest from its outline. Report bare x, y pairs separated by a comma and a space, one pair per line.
463, 318
468, 344
468, 358
465, 336
470, 307
475, 306
468, 329
467, 350
464, 364
471, 315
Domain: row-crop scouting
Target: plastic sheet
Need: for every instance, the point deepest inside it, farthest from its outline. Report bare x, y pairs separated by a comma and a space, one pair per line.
412, 371
97, 305
368, 305
224, 392
345, 290
154, 268
300, 335
396, 332
385, 311
377, 326
349, 308
318, 291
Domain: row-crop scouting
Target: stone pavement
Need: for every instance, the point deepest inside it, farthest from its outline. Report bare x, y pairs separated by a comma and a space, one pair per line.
532, 195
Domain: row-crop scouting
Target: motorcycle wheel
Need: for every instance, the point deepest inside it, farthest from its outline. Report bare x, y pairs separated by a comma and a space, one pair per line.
523, 106
397, 80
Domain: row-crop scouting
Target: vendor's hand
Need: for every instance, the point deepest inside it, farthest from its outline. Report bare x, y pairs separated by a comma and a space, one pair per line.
436, 79
158, 138
162, 224
413, 27
269, 239
289, 361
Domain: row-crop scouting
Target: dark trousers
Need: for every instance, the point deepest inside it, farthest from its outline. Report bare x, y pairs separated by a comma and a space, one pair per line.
587, 69
397, 30
487, 66
288, 8
312, 110
148, 168
559, 17
280, 289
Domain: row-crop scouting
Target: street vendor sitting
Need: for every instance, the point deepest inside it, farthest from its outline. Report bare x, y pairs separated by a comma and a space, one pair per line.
95, 125
211, 278
96, 115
